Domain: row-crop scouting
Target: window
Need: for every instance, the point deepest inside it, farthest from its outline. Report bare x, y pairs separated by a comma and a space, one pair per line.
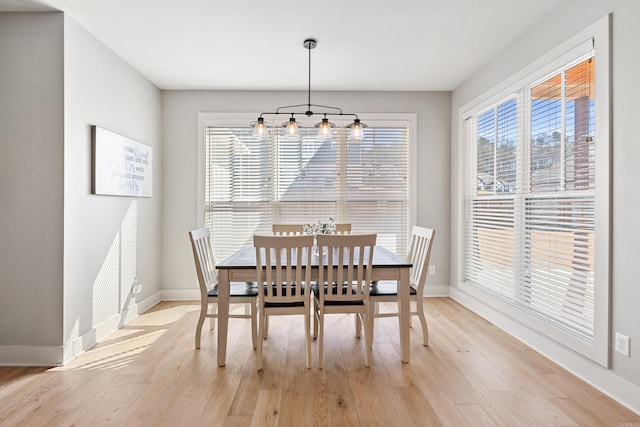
250, 184
534, 203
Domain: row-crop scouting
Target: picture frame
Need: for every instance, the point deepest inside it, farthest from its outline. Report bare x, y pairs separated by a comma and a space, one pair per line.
120, 166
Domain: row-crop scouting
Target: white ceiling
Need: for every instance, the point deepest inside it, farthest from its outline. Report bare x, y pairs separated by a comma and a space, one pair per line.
414, 45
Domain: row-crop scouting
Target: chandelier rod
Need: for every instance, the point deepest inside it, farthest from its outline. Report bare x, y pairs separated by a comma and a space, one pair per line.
309, 44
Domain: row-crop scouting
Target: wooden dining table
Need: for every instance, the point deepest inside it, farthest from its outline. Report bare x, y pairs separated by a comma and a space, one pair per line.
241, 267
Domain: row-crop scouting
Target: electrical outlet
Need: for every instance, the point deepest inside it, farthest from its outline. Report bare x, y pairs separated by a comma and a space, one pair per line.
137, 287
622, 344
432, 270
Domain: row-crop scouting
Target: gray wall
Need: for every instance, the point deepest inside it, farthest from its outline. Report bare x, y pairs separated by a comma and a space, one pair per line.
623, 379
68, 257
179, 132
31, 184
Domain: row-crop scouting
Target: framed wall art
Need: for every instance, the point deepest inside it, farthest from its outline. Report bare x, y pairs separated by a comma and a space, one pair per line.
120, 166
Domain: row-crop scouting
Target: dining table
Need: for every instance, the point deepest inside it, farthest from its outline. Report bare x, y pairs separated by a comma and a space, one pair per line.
241, 267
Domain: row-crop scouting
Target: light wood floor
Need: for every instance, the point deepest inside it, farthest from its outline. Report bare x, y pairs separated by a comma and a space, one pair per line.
150, 374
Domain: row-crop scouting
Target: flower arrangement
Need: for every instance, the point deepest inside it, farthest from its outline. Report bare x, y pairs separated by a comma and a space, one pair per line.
320, 227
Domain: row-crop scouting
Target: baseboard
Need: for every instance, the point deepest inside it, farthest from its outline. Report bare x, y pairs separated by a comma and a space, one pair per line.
181, 294
151, 301
30, 355
605, 380
435, 291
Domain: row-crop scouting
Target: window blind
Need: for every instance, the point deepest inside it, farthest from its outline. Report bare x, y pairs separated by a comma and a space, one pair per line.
376, 190
250, 184
559, 209
529, 238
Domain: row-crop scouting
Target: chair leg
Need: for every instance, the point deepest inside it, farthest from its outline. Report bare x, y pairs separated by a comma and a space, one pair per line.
266, 328
316, 318
307, 336
254, 324
312, 310
212, 320
203, 313
358, 321
423, 321
368, 334
369, 319
261, 331
321, 340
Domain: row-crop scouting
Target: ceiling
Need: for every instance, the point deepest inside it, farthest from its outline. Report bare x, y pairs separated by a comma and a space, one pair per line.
412, 45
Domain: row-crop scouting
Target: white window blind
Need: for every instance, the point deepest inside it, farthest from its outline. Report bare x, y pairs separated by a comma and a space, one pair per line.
251, 184
530, 220
559, 209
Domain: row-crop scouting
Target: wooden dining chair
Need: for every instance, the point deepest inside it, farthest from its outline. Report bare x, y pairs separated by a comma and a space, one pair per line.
286, 229
343, 229
344, 279
283, 271
387, 291
293, 229
239, 292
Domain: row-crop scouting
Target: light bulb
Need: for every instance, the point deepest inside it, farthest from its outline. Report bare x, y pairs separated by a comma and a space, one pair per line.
357, 131
324, 129
291, 130
260, 130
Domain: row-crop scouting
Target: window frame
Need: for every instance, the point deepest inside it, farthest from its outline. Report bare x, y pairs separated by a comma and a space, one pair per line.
596, 36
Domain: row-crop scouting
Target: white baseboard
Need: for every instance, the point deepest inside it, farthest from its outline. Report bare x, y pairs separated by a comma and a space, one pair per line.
150, 301
192, 294
603, 379
30, 355
435, 291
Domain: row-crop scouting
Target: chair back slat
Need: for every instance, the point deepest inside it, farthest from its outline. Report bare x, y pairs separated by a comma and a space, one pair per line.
343, 229
283, 267
204, 259
286, 229
345, 266
419, 253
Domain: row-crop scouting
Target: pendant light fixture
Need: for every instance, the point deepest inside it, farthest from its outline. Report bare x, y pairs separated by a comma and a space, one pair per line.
292, 128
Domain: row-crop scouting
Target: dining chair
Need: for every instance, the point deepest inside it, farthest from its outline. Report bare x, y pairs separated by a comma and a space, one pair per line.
239, 292
286, 229
344, 279
283, 271
387, 291
343, 229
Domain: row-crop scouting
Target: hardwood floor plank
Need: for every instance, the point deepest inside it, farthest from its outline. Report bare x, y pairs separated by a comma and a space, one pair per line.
267, 410
149, 373
476, 416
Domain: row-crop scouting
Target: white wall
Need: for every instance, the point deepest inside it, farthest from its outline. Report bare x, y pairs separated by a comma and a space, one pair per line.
623, 379
109, 241
31, 187
179, 132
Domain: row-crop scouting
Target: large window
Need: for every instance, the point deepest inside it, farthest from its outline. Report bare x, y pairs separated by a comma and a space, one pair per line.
531, 241
250, 184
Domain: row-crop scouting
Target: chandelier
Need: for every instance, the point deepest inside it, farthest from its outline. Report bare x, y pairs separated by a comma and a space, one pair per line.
292, 128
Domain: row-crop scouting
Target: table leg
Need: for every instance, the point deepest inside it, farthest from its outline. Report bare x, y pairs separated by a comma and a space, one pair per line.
223, 314
405, 314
